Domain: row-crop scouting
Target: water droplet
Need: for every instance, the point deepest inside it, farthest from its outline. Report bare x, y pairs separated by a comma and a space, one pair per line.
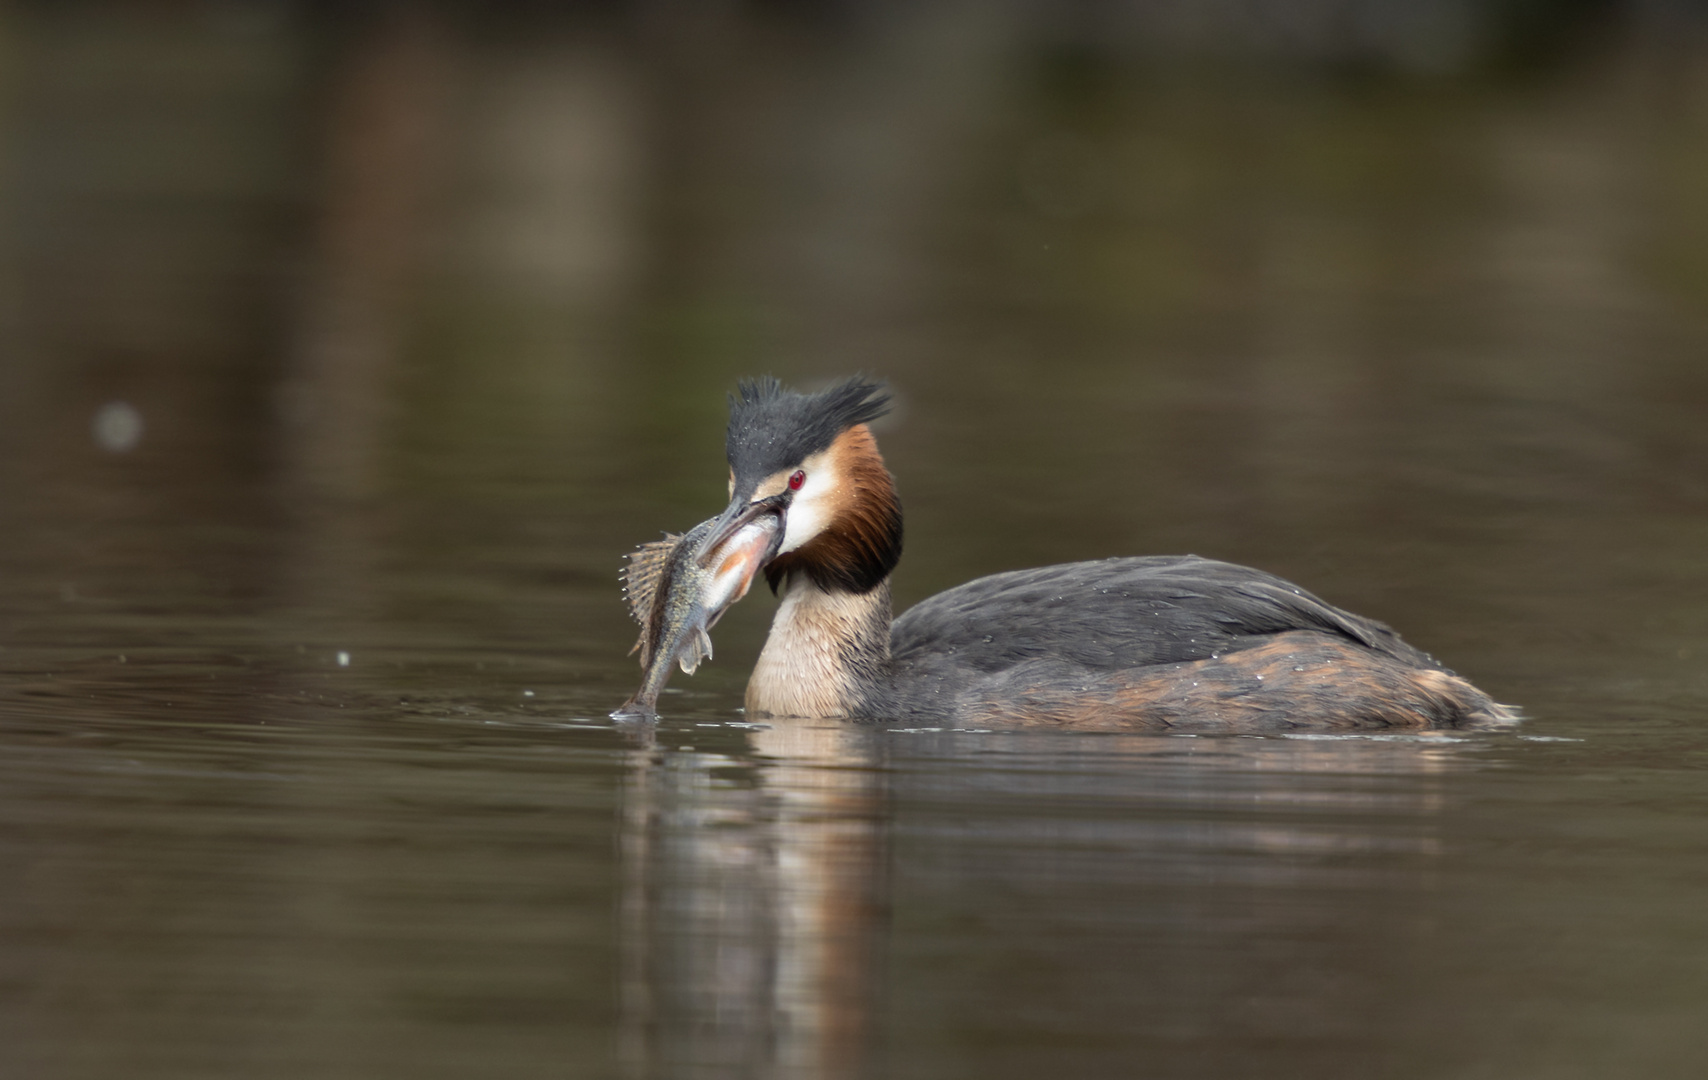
117, 427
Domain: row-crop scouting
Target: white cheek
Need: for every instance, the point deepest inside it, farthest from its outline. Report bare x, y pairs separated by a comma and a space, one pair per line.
809, 513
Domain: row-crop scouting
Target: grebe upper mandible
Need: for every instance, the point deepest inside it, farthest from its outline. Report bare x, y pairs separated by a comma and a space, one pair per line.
1147, 642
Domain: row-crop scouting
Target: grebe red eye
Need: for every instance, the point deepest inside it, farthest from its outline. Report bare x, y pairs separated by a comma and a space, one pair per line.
797, 479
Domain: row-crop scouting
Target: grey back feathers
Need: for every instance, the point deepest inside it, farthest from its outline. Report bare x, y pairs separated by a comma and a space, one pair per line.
1122, 613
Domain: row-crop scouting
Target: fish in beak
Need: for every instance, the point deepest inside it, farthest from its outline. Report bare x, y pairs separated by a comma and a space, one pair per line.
680, 586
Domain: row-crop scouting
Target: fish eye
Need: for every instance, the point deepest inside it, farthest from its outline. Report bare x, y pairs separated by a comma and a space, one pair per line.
796, 479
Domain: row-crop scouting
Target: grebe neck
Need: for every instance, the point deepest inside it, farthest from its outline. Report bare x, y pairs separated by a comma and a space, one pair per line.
828, 653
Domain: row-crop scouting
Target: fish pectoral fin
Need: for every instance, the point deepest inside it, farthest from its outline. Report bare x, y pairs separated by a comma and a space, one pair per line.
698, 650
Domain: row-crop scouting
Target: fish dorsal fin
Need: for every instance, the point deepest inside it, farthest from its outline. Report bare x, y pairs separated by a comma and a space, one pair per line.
647, 570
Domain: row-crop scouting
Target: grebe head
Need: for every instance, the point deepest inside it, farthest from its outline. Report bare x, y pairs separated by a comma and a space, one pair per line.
811, 460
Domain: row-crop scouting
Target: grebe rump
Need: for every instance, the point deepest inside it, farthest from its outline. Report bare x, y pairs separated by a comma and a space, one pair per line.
1175, 642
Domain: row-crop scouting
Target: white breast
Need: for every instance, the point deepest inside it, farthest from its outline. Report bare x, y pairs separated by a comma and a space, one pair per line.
800, 671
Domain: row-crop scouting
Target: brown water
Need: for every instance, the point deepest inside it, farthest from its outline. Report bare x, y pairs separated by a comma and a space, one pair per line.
304, 761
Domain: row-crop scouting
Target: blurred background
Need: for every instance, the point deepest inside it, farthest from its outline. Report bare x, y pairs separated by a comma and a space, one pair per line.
345, 348
299, 292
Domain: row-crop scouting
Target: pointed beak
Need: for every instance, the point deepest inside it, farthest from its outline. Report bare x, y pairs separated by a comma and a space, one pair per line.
738, 514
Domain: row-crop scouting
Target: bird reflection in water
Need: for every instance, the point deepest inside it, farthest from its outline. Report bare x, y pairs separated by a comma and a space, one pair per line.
754, 893
1146, 871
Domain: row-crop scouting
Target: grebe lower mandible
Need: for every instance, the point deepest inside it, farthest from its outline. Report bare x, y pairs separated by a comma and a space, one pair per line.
1127, 643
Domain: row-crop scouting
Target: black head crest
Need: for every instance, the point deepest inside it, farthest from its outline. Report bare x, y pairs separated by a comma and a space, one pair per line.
771, 428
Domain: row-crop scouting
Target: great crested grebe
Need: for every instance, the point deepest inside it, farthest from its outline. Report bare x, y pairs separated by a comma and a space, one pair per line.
1127, 643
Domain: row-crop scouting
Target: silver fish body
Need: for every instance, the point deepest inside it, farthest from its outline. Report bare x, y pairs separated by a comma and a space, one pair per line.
678, 588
